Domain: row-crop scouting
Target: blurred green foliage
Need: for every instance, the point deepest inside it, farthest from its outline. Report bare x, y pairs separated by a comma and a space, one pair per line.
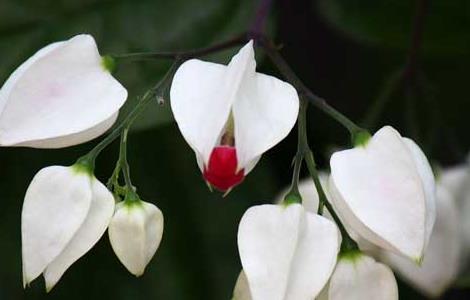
343, 49
387, 23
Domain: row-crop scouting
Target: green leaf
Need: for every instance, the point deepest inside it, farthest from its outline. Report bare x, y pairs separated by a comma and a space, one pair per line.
122, 26
388, 23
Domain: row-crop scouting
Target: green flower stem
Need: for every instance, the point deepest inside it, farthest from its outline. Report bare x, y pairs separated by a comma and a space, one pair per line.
130, 118
303, 149
319, 102
123, 158
293, 196
348, 244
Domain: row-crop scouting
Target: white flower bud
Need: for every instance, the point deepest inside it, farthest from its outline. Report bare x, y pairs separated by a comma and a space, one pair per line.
360, 277
384, 190
286, 252
65, 212
63, 95
135, 233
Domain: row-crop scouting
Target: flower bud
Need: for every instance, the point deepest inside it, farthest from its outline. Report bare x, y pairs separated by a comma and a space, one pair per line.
221, 171
61, 96
135, 233
358, 277
384, 190
286, 252
65, 212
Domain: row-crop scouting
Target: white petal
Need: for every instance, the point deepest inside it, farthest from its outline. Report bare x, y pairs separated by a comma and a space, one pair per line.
62, 91
200, 104
441, 259
72, 139
310, 198
379, 192
242, 289
455, 178
429, 185
135, 233
251, 164
264, 112
202, 94
362, 278
286, 252
94, 226
55, 206
457, 182
16, 75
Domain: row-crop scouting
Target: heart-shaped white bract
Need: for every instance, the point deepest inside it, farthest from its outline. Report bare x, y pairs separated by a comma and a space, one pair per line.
65, 212
135, 232
360, 277
440, 265
206, 97
61, 96
286, 252
384, 191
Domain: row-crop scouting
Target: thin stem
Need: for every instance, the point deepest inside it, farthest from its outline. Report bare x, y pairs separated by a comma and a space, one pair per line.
405, 78
290, 75
348, 243
139, 108
416, 38
261, 16
123, 158
298, 159
182, 55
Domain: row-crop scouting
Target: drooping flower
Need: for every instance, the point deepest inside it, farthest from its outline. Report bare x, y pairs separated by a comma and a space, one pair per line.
61, 96
385, 191
440, 265
135, 232
65, 212
358, 277
230, 115
286, 252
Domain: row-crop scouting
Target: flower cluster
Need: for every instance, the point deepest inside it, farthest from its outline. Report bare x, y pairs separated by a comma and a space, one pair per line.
336, 239
62, 96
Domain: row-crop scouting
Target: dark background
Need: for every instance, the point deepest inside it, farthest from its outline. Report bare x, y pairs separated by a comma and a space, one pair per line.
344, 50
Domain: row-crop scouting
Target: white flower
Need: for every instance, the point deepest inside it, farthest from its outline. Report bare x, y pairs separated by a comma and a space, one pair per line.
230, 115
135, 232
440, 265
360, 277
61, 96
384, 190
65, 212
286, 252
